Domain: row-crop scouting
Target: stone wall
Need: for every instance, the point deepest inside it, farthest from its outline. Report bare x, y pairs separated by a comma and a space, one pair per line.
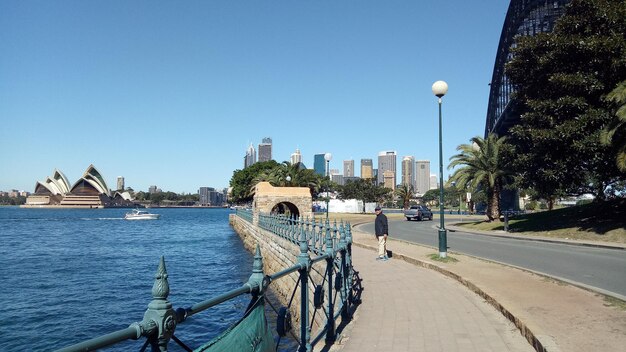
279, 254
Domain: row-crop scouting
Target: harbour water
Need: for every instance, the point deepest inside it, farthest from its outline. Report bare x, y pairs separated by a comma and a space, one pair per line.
70, 275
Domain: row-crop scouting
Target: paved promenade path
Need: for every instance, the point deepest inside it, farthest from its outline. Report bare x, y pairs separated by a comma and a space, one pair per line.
411, 303
410, 308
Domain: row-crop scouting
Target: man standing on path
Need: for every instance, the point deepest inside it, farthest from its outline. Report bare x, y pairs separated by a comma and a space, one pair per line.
381, 228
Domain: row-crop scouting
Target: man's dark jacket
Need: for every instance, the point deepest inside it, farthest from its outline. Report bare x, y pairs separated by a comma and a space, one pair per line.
380, 225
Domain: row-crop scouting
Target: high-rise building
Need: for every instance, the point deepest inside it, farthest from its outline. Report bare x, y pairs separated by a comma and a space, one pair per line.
319, 164
250, 158
422, 176
296, 157
208, 196
338, 179
434, 182
366, 169
348, 168
265, 150
408, 171
386, 162
389, 179
120, 183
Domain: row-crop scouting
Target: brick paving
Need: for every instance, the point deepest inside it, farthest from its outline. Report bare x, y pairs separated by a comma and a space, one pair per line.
410, 308
429, 306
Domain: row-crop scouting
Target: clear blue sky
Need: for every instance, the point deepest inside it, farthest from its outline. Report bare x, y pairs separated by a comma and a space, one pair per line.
171, 93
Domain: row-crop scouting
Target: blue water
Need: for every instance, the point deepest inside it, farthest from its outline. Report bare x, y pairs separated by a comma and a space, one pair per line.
71, 275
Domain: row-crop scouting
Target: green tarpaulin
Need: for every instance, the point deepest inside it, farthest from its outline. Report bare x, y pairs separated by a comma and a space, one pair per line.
251, 333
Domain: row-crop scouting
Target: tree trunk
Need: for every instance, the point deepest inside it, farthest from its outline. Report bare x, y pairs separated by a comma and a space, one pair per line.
490, 205
495, 203
550, 203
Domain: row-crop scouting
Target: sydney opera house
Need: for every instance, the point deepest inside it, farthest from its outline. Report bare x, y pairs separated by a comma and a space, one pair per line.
90, 191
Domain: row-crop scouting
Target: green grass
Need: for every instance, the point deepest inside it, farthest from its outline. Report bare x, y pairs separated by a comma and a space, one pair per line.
447, 259
600, 221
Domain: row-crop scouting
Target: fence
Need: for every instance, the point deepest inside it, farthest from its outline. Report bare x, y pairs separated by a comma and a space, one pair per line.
334, 296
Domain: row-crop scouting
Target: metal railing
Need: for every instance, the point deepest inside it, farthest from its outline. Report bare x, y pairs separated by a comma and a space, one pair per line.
334, 296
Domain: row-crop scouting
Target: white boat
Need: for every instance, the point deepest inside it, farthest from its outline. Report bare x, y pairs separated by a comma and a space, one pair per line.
137, 214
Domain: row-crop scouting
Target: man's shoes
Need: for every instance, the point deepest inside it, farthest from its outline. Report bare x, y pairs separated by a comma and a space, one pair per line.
384, 259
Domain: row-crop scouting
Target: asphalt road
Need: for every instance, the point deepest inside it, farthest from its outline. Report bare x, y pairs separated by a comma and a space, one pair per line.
601, 269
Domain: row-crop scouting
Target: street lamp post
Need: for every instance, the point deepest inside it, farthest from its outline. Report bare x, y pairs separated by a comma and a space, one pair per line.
440, 88
328, 157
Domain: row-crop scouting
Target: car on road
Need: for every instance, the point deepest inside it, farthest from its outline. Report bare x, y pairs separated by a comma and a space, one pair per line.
418, 212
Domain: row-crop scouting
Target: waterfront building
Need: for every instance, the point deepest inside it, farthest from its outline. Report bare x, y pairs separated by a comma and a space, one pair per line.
422, 176
367, 171
90, 191
296, 157
250, 157
265, 150
208, 196
408, 171
120, 183
386, 162
152, 189
319, 164
348, 168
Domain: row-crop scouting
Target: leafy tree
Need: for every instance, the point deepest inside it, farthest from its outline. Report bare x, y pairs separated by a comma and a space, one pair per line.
405, 192
615, 133
242, 180
431, 197
292, 175
363, 189
560, 80
482, 167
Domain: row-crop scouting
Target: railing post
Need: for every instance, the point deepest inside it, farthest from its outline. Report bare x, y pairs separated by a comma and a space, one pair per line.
345, 308
256, 279
160, 312
349, 261
305, 260
330, 252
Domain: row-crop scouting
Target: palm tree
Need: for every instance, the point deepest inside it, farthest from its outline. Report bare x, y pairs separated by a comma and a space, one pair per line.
405, 192
482, 167
615, 132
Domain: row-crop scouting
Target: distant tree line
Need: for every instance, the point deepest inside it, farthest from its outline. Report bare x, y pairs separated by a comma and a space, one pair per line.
161, 198
6, 200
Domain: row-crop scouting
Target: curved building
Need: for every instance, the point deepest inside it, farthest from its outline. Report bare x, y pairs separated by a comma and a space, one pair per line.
524, 17
90, 191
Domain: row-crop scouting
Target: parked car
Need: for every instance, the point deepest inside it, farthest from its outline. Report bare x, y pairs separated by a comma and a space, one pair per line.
418, 212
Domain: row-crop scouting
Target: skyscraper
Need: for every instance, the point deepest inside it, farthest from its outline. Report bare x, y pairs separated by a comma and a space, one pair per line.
386, 162
265, 150
366, 169
348, 168
422, 176
296, 157
319, 164
434, 182
250, 157
120, 183
408, 171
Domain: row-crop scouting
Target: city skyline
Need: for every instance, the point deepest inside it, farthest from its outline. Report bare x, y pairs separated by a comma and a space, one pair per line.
117, 84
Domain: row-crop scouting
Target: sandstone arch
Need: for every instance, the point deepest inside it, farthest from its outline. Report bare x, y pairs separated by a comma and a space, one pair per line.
287, 200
